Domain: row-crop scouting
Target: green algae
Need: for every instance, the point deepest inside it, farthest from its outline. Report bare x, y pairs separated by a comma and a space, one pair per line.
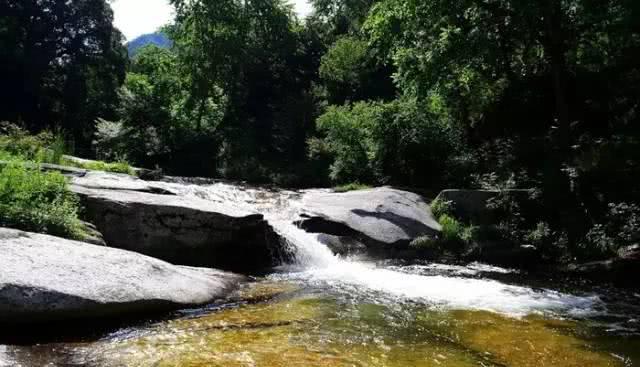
294, 329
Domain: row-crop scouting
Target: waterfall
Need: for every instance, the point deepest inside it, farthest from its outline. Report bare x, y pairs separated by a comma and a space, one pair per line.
316, 264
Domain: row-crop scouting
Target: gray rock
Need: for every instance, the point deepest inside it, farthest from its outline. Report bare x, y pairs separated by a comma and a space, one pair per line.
93, 236
180, 229
622, 270
381, 218
342, 245
46, 278
119, 181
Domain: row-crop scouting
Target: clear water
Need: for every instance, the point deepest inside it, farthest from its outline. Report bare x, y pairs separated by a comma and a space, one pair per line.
324, 310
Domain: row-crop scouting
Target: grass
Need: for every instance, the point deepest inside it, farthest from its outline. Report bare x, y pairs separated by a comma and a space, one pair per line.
17, 144
36, 201
354, 186
30, 199
451, 228
47, 147
118, 167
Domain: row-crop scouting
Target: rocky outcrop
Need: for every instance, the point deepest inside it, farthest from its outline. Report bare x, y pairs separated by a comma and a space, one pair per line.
624, 269
148, 218
381, 219
45, 278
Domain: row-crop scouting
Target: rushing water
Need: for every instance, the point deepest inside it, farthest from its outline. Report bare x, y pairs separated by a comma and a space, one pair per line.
324, 310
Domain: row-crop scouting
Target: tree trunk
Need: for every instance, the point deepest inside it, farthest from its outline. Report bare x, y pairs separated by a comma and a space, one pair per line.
556, 50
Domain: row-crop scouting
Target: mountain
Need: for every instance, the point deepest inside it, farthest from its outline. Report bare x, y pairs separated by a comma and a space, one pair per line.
159, 39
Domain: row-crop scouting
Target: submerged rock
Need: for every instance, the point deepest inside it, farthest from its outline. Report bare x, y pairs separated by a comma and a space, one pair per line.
141, 216
45, 278
381, 219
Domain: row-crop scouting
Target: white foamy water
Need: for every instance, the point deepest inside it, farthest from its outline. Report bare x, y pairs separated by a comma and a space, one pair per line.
316, 264
5, 361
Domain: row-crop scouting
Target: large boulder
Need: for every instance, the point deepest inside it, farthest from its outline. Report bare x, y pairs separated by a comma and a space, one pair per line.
381, 219
45, 278
147, 218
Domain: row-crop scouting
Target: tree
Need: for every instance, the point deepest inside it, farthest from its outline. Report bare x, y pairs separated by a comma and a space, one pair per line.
255, 56
62, 64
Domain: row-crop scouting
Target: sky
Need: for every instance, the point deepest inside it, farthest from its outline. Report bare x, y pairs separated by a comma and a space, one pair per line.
138, 17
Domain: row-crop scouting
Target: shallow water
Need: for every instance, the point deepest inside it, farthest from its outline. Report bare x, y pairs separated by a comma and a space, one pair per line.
282, 320
322, 310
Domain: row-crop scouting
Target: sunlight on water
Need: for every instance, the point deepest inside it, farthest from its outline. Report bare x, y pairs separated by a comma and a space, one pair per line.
4, 358
312, 330
316, 263
324, 310
449, 292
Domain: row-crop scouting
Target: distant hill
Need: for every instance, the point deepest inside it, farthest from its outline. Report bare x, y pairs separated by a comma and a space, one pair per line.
159, 39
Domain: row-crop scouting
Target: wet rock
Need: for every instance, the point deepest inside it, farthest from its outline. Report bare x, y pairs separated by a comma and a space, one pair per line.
342, 245
622, 270
46, 278
504, 253
132, 215
382, 219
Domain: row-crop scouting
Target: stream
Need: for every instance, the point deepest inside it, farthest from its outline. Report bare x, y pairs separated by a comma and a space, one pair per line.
325, 310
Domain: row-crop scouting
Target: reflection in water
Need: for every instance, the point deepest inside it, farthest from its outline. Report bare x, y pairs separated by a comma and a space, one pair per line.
310, 327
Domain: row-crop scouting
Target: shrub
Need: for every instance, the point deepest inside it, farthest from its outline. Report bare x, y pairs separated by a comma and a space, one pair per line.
426, 243
118, 167
451, 228
17, 143
351, 187
40, 202
398, 142
441, 207
620, 227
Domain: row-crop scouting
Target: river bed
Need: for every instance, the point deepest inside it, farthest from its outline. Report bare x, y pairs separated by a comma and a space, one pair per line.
417, 315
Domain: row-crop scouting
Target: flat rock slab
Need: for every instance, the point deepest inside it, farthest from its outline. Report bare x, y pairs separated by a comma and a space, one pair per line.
119, 181
45, 278
379, 217
183, 230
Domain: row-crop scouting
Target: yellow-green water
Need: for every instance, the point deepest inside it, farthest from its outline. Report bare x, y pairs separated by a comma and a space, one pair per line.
281, 324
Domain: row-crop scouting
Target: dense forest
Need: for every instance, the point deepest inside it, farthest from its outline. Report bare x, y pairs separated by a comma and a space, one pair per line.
492, 94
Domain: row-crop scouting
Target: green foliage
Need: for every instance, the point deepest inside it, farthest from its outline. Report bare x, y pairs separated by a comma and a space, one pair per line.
344, 61
354, 186
117, 167
621, 227
441, 207
62, 64
34, 201
380, 143
351, 72
452, 230
349, 140
427, 243
454, 237
17, 143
